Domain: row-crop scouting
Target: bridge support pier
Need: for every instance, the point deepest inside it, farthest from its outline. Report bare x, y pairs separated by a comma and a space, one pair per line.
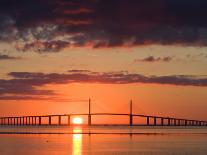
68, 119
155, 121
50, 120
40, 121
35, 120
59, 120
15, 123
162, 121
169, 123
148, 121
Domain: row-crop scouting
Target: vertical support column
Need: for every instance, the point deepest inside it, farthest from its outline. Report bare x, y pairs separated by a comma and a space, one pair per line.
68, 119
26, 121
20, 121
186, 122
32, 120
8, 122
131, 115
59, 120
29, 120
148, 120
169, 123
14, 120
162, 121
23, 122
50, 120
40, 120
35, 120
155, 121
89, 112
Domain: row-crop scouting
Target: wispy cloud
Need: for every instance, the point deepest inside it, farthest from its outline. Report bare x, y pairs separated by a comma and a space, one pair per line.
7, 57
154, 59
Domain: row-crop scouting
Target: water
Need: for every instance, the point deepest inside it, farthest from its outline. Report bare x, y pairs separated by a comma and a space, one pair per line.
103, 140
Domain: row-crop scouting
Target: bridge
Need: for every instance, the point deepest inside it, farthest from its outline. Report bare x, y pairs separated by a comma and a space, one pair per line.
149, 120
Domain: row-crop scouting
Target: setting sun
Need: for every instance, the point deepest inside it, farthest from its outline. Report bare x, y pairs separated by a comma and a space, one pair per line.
77, 120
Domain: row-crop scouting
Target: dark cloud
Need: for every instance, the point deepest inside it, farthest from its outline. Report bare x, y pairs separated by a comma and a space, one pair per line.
29, 84
7, 57
154, 59
48, 46
23, 86
23, 97
103, 23
39, 79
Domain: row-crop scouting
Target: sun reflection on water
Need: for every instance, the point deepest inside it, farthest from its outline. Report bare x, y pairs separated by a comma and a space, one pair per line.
77, 141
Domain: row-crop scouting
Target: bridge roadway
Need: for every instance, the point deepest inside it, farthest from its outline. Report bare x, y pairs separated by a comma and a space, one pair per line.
150, 120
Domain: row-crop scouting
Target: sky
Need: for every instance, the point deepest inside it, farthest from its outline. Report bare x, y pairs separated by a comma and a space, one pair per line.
56, 54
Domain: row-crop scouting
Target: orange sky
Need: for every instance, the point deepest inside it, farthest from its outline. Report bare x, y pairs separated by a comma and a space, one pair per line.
150, 99
153, 99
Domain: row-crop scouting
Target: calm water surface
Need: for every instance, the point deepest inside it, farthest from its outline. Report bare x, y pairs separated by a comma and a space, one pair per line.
103, 140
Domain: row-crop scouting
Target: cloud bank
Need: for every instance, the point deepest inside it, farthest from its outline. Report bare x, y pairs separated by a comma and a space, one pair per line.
29, 84
52, 25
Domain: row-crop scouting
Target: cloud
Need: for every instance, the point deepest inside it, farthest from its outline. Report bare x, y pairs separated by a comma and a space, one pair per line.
103, 23
7, 57
82, 76
25, 97
29, 84
154, 59
48, 46
23, 86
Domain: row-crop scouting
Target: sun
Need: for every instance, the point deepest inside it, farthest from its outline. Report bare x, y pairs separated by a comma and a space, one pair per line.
77, 120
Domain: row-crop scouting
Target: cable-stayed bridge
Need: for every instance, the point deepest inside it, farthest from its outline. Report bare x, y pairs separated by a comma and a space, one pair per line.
149, 119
